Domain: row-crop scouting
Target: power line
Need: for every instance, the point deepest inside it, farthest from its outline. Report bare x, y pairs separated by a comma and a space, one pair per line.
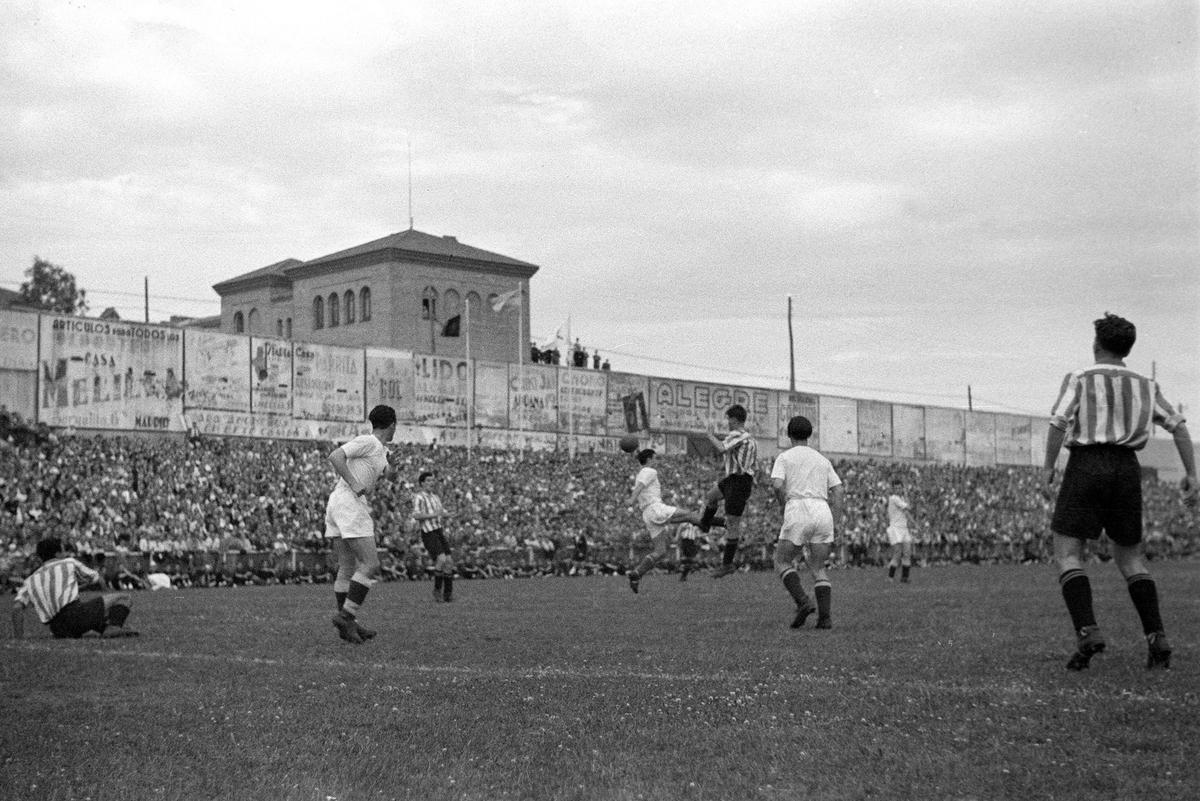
120, 293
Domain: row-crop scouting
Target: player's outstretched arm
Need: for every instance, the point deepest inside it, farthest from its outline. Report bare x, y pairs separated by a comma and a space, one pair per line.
1187, 455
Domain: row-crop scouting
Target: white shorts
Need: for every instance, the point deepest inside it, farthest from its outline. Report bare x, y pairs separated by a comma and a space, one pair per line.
807, 521
898, 535
656, 515
348, 516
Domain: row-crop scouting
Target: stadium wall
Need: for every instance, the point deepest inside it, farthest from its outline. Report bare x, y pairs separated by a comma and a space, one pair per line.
87, 374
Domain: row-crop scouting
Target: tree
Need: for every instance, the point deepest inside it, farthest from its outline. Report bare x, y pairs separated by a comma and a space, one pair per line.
51, 288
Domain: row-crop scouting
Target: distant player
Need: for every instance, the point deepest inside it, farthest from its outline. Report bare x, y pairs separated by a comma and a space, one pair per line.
359, 464
1104, 413
430, 514
811, 495
899, 532
53, 592
687, 543
740, 452
658, 517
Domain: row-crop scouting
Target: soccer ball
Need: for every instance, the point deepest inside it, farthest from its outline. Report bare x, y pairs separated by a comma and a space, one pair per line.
629, 443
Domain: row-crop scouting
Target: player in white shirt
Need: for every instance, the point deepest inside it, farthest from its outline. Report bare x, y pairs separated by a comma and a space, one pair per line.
658, 516
359, 464
899, 533
811, 494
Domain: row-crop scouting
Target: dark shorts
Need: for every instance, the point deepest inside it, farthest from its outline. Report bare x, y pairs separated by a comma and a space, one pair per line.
736, 489
79, 617
1101, 491
689, 548
435, 542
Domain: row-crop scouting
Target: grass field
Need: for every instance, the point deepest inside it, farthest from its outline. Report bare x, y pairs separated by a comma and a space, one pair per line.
951, 687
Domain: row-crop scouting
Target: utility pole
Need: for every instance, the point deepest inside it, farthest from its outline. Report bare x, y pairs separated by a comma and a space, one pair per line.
970, 404
791, 348
146, 294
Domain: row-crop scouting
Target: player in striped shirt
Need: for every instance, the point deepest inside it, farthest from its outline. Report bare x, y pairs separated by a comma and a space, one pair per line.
53, 592
1103, 414
740, 454
429, 514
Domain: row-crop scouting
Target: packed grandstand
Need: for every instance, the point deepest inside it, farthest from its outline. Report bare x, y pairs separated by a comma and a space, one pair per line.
211, 511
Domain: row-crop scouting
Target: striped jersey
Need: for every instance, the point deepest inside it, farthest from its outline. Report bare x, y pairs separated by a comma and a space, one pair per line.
428, 503
54, 585
740, 454
1109, 404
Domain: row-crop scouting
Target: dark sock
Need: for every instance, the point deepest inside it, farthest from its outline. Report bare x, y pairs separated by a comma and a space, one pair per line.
644, 566
437, 582
1144, 593
1077, 592
791, 580
904, 572
117, 614
341, 599
447, 587
731, 547
707, 517
685, 566
824, 593
357, 593
891, 571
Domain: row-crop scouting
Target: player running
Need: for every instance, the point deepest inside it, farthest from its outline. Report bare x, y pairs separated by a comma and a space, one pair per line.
658, 516
811, 495
899, 532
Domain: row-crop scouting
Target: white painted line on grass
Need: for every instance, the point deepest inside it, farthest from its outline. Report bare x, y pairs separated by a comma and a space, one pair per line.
1023, 689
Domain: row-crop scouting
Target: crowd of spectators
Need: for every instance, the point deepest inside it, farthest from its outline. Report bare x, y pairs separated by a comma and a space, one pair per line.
212, 510
576, 356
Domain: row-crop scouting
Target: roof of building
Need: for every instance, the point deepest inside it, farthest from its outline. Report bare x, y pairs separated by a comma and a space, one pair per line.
416, 241
411, 241
276, 269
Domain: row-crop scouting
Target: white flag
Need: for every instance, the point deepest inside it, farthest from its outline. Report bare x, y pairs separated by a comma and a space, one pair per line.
559, 340
507, 300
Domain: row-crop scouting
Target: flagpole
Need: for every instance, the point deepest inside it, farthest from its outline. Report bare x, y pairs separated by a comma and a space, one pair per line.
570, 393
522, 346
470, 382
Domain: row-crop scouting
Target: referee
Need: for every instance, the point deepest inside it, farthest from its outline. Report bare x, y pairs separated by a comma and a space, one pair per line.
1104, 414
53, 591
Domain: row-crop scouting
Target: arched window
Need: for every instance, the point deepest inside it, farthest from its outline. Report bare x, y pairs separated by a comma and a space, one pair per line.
252, 322
451, 304
239, 323
333, 310
287, 328
348, 303
364, 304
429, 304
476, 304
279, 327
318, 313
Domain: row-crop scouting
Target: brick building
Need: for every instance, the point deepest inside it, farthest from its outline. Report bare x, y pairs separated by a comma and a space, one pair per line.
400, 291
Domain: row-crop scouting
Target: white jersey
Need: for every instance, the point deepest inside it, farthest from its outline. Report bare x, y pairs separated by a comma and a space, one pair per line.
806, 474
366, 459
649, 490
896, 508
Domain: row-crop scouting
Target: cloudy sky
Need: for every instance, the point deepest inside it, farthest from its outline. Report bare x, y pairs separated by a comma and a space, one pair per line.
950, 192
